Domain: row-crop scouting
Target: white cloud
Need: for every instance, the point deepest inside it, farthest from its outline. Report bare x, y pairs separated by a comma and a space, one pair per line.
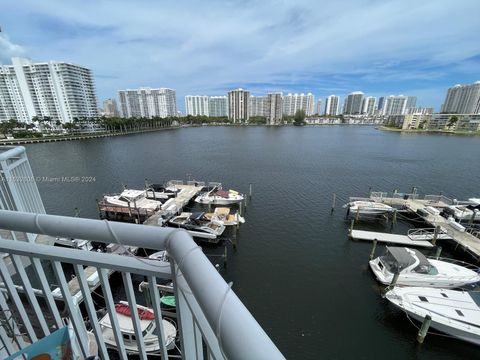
9, 49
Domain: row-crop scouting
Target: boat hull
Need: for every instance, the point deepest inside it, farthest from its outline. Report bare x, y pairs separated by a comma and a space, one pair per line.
444, 328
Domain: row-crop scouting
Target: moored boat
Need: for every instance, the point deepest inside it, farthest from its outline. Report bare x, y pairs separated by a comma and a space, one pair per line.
415, 269
147, 325
217, 196
363, 207
225, 216
455, 313
136, 199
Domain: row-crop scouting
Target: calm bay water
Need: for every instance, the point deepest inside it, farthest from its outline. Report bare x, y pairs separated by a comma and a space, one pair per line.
295, 269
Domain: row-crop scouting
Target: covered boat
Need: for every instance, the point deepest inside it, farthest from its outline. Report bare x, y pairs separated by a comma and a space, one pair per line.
220, 197
415, 269
136, 199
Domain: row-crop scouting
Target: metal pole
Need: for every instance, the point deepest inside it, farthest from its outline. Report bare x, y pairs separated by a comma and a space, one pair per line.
424, 329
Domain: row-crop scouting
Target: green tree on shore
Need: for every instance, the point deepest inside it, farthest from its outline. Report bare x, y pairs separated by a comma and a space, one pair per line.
299, 118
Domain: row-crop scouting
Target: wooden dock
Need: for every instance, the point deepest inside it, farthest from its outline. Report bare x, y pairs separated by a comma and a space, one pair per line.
413, 202
389, 238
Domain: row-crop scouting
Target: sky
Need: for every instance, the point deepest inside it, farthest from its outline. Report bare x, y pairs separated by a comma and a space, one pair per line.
417, 48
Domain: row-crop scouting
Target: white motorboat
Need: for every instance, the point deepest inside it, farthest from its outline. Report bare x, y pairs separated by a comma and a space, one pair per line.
217, 196
463, 212
136, 199
364, 207
147, 325
225, 216
453, 312
197, 223
416, 270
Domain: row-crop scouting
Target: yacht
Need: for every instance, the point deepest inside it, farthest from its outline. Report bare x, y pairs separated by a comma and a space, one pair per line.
134, 198
364, 207
148, 328
225, 216
217, 196
416, 270
455, 313
198, 224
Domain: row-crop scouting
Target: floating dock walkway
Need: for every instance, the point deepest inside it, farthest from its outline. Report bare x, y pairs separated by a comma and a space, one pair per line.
448, 230
389, 238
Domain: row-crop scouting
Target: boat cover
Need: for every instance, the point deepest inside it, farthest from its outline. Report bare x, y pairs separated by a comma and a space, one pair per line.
143, 314
168, 300
404, 259
222, 193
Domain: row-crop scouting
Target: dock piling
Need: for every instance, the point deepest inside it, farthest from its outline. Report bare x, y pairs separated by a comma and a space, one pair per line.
439, 251
394, 280
250, 191
424, 329
333, 202
372, 253
225, 257
357, 215
435, 234
351, 227
394, 217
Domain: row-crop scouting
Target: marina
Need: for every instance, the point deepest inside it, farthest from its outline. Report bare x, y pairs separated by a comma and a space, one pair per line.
427, 208
284, 225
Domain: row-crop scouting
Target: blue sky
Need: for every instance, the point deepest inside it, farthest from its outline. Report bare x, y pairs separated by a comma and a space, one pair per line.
208, 47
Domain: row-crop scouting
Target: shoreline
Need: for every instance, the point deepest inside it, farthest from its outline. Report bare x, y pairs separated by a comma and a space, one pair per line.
84, 136
427, 132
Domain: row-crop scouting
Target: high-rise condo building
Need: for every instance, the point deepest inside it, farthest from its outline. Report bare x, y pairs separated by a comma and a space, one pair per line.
368, 105
397, 105
257, 106
238, 105
331, 105
319, 107
274, 108
411, 102
58, 90
381, 102
353, 103
218, 106
294, 102
463, 99
196, 105
148, 103
110, 108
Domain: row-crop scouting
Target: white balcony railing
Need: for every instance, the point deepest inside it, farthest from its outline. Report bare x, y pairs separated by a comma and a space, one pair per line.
213, 323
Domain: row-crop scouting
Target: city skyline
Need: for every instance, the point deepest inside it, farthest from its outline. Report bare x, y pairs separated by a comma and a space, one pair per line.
230, 45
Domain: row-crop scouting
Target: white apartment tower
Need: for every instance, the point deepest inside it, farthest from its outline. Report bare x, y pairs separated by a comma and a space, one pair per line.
218, 106
148, 103
258, 106
368, 106
463, 99
238, 104
196, 105
319, 107
353, 103
58, 90
331, 105
294, 102
110, 108
274, 108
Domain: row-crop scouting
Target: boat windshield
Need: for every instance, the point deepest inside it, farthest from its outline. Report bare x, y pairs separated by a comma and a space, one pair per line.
426, 269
